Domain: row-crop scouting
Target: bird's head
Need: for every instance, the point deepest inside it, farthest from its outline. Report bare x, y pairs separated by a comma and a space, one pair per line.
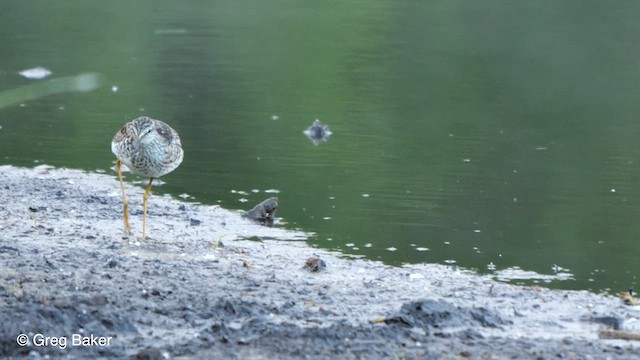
144, 127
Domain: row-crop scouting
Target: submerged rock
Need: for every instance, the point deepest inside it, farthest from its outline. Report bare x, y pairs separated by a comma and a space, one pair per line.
264, 212
318, 132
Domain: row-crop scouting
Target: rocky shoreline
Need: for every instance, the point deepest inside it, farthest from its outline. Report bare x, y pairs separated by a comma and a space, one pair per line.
69, 275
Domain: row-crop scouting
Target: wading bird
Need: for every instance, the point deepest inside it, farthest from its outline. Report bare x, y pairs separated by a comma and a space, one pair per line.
149, 148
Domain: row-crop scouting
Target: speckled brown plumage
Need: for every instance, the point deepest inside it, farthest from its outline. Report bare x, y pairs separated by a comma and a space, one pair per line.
149, 148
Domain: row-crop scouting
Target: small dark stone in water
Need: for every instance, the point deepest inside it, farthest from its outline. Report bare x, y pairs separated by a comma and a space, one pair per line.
315, 264
318, 132
264, 212
182, 208
195, 222
33, 209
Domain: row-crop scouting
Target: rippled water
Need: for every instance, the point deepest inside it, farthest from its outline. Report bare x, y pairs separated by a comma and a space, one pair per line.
498, 136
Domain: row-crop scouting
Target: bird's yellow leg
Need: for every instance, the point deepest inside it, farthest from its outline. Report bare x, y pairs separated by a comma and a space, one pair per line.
144, 208
127, 227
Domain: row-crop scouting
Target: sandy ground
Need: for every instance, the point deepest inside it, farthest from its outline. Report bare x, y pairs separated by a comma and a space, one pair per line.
75, 287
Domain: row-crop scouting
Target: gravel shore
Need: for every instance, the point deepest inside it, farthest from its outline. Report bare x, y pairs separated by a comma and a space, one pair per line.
76, 287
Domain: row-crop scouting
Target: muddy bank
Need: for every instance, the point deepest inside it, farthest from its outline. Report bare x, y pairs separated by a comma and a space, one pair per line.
68, 274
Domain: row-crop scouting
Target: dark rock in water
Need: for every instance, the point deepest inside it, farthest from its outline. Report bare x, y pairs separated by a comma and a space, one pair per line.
318, 132
195, 222
264, 212
315, 264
